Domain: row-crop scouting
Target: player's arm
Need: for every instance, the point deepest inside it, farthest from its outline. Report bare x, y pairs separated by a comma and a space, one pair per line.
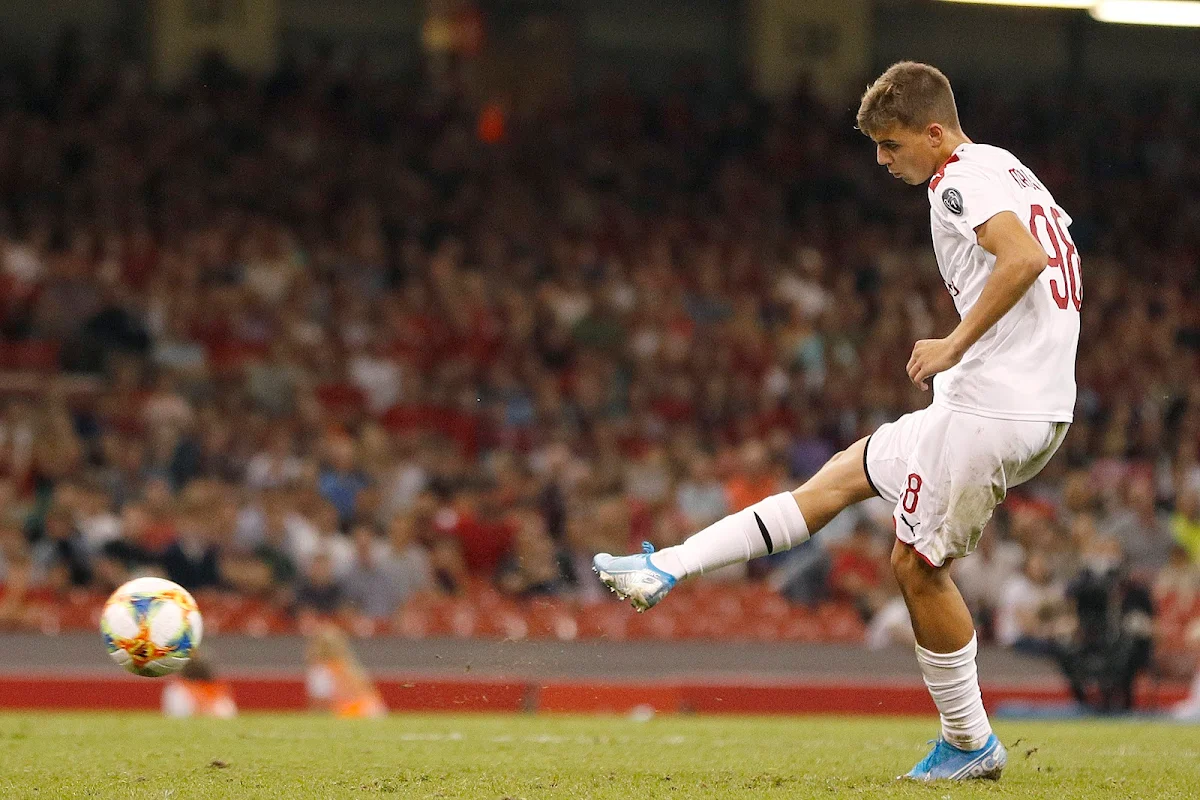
1020, 259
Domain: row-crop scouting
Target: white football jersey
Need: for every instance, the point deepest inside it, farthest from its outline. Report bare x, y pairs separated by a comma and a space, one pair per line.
1024, 367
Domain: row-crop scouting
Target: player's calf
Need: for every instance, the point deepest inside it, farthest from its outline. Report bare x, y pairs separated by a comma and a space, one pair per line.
769, 526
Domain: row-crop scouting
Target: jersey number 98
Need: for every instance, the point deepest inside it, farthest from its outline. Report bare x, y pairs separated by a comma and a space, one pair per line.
1070, 292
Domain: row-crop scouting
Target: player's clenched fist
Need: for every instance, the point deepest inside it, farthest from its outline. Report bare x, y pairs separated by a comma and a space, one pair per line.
931, 356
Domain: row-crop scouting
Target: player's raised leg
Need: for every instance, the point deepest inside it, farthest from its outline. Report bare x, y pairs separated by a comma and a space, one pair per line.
778, 523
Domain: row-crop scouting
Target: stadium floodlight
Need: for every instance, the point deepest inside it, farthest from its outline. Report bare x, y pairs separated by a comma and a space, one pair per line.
1030, 3
1180, 13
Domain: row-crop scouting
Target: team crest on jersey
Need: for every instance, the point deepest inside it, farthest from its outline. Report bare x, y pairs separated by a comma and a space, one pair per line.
954, 201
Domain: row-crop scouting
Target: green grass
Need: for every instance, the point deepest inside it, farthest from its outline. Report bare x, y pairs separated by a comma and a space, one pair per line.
135, 756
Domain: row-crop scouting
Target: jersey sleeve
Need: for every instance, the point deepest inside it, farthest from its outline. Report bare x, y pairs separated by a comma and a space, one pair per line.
969, 196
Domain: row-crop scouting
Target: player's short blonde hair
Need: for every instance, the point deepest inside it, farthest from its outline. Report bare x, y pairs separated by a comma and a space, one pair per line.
910, 95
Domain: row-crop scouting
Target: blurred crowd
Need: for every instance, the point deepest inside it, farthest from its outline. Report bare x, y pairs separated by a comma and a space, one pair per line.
324, 341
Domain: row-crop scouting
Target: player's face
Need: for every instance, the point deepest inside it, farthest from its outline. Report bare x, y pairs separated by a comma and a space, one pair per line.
910, 155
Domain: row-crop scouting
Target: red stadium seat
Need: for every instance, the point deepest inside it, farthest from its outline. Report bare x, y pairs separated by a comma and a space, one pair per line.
604, 620
33, 355
414, 621
801, 627
551, 620
840, 623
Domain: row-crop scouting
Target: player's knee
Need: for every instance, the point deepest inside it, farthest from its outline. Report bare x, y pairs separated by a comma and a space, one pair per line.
911, 571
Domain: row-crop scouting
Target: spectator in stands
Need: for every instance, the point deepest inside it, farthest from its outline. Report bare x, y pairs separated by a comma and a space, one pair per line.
1178, 583
753, 478
648, 478
407, 550
1082, 532
275, 466
450, 574
803, 576
57, 450
95, 518
130, 551
125, 473
62, 554
17, 430
534, 566
387, 570
1112, 640
1035, 530
16, 574
251, 577
330, 539
809, 450
163, 525
482, 531
193, 559
278, 546
1031, 608
1077, 496
275, 381
376, 373
1185, 522
1176, 596
407, 478
340, 480
701, 498
891, 624
318, 591
583, 536
985, 576
1145, 534
857, 573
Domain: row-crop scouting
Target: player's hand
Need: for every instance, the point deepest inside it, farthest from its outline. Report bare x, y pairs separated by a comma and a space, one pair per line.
931, 356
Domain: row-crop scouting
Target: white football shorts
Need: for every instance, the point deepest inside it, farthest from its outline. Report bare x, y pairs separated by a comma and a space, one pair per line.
946, 471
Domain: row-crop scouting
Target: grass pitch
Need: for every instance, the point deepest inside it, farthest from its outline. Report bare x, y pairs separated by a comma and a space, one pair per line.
136, 756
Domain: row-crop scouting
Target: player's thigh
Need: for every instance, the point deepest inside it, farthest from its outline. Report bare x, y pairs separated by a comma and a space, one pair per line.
1041, 442
888, 453
840, 483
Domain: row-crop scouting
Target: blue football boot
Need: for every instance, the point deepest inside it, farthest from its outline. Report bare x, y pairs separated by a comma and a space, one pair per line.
946, 762
634, 578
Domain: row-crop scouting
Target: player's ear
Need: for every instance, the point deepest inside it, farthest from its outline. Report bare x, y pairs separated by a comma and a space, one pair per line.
935, 133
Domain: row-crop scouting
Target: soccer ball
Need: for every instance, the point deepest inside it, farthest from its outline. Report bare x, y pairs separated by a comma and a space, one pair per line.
151, 626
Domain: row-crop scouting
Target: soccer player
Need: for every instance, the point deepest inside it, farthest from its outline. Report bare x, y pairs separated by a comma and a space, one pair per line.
336, 681
1004, 393
197, 692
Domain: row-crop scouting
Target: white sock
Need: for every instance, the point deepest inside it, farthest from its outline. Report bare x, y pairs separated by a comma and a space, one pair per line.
769, 526
953, 682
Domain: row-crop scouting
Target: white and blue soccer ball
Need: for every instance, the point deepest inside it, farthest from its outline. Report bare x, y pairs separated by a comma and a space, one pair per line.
151, 626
